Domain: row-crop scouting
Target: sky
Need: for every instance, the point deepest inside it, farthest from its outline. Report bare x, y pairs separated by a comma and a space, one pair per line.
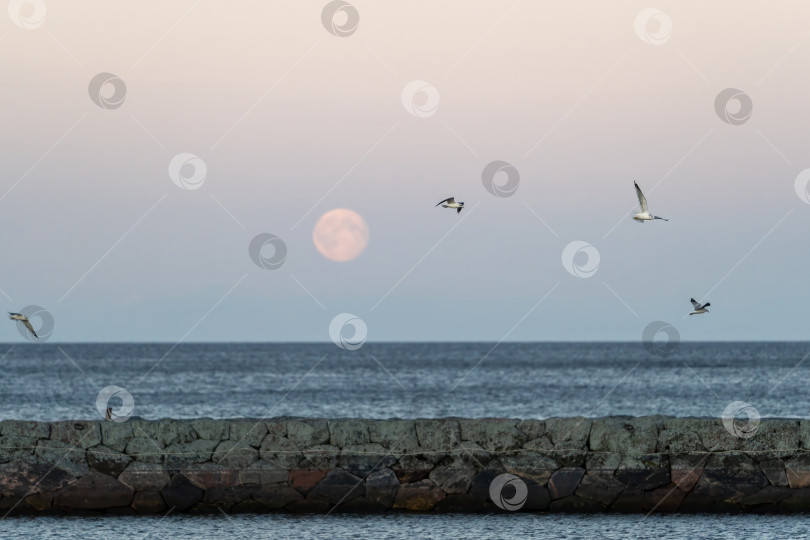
290, 113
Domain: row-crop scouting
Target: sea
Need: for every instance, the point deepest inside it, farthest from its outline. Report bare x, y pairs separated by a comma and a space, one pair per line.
52, 381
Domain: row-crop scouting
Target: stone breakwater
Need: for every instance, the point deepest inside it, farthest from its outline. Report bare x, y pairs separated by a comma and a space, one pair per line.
615, 464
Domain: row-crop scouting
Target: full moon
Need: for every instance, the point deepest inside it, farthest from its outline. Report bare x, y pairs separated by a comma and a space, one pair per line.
340, 235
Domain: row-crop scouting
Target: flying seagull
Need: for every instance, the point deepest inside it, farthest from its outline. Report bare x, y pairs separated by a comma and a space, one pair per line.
23, 319
450, 202
644, 215
699, 308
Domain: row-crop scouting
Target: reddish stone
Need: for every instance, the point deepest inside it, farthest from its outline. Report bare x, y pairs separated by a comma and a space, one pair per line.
418, 496
304, 480
148, 502
20, 479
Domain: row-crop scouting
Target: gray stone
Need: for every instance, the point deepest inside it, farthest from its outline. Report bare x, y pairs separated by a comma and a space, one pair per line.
363, 458
533, 429
564, 482
235, 454
181, 493
14, 447
348, 432
179, 455
306, 432
211, 430
62, 456
599, 487
453, 478
148, 502
263, 473
282, 453
116, 435
399, 436
493, 434
715, 437
686, 470
569, 433
338, 486
798, 471
530, 467
142, 476
730, 478
106, 460
624, 435
79, 433
440, 434
95, 491
644, 472
276, 427
143, 449
248, 431
678, 435
174, 431
211, 475
775, 472
382, 487
775, 438
276, 496
321, 456
25, 428
767, 495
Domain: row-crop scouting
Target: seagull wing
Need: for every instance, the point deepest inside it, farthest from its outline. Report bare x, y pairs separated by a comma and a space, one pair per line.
447, 200
695, 303
642, 200
27, 324
705, 305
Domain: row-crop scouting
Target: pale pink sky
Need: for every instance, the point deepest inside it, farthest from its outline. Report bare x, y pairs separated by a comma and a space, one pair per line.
293, 122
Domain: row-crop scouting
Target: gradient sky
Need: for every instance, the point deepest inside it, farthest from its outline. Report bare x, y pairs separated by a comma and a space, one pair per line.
293, 122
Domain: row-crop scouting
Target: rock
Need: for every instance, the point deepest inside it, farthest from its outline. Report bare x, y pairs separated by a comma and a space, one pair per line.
382, 487
715, 437
480, 484
532, 429
116, 435
541, 444
678, 435
143, 449
538, 497
338, 486
305, 479
644, 472
79, 433
576, 504
276, 427
493, 434
236, 454
775, 472
282, 453
398, 436
306, 432
13, 447
775, 438
798, 471
767, 495
797, 501
730, 478
142, 476
181, 493
419, 496
148, 502
40, 501
211, 475
321, 456
564, 482
18, 478
459, 503
62, 456
179, 455
629, 501
276, 496
530, 467
263, 473
624, 435
228, 495
309, 506
248, 431
348, 432
94, 491
686, 470
25, 428
569, 433
106, 460
363, 458
453, 478
211, 430
174, 432
599, 487
440, 434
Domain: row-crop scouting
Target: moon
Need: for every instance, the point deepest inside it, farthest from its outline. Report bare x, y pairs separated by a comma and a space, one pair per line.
340, 235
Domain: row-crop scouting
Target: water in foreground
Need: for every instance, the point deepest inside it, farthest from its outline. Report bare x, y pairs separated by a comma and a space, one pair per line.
406, 380
408, 527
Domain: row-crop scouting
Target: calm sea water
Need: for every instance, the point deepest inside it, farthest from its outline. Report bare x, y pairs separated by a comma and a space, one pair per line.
411, 527
524, 380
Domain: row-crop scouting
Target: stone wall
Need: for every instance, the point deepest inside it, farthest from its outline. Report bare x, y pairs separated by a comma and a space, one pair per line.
616, 464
